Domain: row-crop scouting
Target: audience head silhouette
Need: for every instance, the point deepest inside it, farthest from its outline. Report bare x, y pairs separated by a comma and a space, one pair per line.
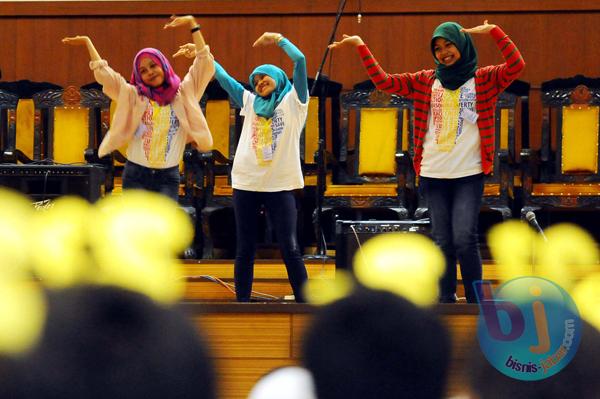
375, 344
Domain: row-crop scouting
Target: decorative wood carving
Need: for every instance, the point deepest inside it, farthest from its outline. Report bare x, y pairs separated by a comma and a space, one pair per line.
381, 98
8, 100
48, 98
71, 97
94, 98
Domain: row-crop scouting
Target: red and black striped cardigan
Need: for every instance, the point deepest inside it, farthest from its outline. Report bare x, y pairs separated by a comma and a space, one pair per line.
490, 81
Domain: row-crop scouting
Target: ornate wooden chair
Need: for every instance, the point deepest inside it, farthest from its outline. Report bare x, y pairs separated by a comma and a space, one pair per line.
563, 174
20, 141
225, 124
72, 122
498, 191
324, 107
67, 119
8, 122
370, 171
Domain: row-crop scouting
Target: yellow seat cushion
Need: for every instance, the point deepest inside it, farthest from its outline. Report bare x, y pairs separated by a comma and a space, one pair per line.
580, 140
217, 117
118, 189
504, 123
362, 190
223, 191
491, 190
25, 128
311, 131
311, 180
222, 187
71, 134
566, 189
378, 135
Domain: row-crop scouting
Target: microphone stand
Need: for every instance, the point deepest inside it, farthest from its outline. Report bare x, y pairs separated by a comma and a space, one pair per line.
322, 174
340, 11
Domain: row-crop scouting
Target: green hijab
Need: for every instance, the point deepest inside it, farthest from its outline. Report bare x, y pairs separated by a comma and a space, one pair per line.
454, 76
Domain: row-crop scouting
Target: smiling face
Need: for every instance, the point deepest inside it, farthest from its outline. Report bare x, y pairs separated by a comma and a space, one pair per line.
264, 84
445, 51
151, 73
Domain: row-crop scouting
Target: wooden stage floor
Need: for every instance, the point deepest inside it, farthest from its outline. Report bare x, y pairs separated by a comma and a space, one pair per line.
249, 339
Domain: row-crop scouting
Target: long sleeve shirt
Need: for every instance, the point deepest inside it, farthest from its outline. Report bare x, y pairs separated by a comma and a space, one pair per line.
490, 81
267, 158
131, 106
236, 90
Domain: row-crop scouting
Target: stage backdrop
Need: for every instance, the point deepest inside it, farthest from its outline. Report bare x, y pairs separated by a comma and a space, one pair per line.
557, 37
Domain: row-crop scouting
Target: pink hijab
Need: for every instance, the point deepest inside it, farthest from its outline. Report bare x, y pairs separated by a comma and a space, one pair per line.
164, 94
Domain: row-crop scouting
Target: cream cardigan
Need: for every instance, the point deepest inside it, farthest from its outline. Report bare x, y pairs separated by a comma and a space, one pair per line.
131, 106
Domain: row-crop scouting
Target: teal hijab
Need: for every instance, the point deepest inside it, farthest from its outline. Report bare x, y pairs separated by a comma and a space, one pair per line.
454, 76
265, 106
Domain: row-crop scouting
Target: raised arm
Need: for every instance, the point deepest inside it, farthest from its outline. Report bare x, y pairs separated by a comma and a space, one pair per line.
193, 25
202, 69
401, 84
110, 80
300, 83
229, 84
514, 63
83, 41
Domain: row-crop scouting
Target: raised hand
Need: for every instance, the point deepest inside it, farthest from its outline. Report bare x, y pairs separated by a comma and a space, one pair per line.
180, 21
188, 50
347, 40
485, 28
190, 22
83, 41
76, 40
267, 39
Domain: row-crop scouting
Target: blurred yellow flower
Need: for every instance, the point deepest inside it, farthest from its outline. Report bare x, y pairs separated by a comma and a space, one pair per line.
409, 265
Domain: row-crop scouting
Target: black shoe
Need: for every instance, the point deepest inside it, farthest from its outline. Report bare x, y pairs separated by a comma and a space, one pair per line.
448, 298
189, 253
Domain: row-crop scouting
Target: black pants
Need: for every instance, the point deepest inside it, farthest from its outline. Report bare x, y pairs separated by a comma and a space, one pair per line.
163, 181
454, 209
281, 210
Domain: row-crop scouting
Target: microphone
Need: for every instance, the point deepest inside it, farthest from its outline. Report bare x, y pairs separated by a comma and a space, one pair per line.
530, 216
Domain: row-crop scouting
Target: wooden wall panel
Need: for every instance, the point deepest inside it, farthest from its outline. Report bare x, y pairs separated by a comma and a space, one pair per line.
300, 324
248, 335
277, 7
463, 332
556, 37
236, 377
273, 337
554, 43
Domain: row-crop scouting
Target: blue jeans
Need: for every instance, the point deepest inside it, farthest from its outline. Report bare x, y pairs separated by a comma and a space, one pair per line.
163, 181
454, 210
281, 210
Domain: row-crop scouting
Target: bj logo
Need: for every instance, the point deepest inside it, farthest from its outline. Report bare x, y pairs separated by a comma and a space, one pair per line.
529, 328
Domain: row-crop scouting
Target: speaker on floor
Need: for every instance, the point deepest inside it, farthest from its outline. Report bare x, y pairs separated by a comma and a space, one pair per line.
351, 234
49, 181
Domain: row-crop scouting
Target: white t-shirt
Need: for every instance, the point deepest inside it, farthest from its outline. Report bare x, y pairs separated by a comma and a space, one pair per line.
158, 142
268, 153
452, 146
